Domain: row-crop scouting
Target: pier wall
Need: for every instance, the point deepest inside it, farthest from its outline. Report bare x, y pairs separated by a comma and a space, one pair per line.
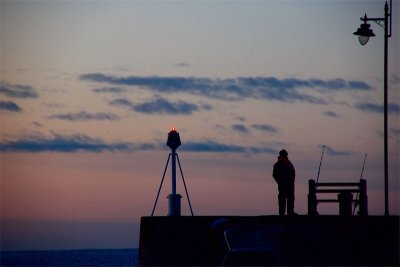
305, 240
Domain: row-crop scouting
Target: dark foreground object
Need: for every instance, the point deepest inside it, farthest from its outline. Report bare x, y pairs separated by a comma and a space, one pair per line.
303, 240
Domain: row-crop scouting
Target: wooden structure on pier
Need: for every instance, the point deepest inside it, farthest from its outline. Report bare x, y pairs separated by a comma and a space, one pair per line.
344, 198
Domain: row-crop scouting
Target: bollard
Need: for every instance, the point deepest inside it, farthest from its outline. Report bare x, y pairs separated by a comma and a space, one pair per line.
312, 198
345, 203
363, 198
174, 207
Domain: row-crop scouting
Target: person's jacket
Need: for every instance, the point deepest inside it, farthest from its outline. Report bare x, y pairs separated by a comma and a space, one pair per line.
284, 172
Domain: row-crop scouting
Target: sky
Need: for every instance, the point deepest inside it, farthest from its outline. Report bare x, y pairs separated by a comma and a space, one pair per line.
90, 89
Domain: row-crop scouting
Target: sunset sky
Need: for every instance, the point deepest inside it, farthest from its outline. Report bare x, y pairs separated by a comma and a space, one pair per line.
90, 89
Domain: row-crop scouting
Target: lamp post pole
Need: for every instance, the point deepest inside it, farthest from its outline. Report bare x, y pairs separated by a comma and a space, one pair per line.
385, 107
364, 33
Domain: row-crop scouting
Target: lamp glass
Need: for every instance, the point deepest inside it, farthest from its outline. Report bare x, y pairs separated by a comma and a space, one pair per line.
363, 39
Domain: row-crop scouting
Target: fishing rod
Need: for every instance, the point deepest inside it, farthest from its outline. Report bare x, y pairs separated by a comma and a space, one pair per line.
320, 162
362, 171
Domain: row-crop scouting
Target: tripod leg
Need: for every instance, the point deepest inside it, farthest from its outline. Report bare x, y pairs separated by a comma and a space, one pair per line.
159, 189
183, 179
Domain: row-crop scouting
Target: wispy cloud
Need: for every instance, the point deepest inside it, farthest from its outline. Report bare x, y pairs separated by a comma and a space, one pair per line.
10, 106
18, 91
378, 108
267, 88
54, 105
122, 102
164, 106
394, 79
109, 90
333, 152
331, 114
160, 105
395, 131
85, 116
265, 128
241, 128
68, 144
182, 65
82, 143
37, 124
210, 146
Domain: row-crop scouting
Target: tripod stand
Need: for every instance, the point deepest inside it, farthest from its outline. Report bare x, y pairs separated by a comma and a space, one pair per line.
174, 199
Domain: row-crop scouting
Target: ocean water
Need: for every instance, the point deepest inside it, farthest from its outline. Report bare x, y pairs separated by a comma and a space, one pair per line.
86, 257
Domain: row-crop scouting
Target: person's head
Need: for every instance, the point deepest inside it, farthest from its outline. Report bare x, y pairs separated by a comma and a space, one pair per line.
283, 154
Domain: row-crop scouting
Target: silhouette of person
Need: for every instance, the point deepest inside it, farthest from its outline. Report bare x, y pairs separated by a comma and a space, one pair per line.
284, 174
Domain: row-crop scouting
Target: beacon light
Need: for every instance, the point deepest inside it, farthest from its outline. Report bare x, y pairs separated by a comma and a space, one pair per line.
173, 141
174, 199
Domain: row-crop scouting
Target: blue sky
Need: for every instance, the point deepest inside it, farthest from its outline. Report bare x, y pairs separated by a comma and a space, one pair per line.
90, 89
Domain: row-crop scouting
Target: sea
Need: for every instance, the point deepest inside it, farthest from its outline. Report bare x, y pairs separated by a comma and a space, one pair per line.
84, 257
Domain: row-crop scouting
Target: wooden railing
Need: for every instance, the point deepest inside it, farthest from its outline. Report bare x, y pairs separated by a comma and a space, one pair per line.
344, 198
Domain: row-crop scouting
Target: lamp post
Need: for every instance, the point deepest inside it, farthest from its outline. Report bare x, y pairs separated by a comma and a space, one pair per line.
364, 33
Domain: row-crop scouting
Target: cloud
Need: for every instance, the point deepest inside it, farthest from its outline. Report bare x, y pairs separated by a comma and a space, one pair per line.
206, 106
211, 146
332, 152
215, 147
18, 91
241, 128
395, 131
69, 144
240, 88
109, 90
378, 108
10, 106
79, 143
37, 124
183, 65
265, 128
358, 85
163, 106
85, 116
394, 79
122, 102
331, 114
54, 105
160, 105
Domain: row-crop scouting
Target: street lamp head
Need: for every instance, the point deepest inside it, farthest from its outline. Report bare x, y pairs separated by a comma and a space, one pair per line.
363, 33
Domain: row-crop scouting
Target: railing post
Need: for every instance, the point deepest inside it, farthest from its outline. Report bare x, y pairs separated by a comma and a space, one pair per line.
312, 198
363, 211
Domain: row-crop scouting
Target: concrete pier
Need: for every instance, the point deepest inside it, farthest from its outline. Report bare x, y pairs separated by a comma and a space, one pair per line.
304, 240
